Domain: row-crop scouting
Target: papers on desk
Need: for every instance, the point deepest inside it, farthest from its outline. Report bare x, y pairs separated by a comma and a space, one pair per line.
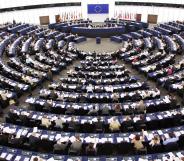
182, 131
148, 118
44, 136
160, 117
30, 100
7, 157
177, 133
110, 120
150, 136
51, 159
34, 116
35, 129
179, 155
17, 158
140, 159
94, 119
132, 136
160, 132
166, 136
24, 132
8, 130
3, 155
84, 121
91, 140
119, 140
103, 140
166, 99
72, 139
135, 119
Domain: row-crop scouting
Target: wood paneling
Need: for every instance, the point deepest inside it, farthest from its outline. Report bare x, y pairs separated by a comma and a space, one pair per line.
152, 19
44, 20
138, 17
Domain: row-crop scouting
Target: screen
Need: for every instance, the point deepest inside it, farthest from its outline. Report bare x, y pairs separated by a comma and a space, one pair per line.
98, 8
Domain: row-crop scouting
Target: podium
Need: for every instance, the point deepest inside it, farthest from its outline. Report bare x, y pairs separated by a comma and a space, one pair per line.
98, 40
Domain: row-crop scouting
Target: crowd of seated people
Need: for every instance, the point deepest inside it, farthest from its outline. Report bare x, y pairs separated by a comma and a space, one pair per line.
159, 65
99, 108
104, 117
26, 69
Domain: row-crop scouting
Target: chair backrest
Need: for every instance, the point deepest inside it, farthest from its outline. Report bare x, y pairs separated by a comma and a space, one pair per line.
171, 146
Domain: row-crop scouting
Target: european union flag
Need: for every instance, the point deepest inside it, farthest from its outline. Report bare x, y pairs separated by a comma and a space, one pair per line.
98, 8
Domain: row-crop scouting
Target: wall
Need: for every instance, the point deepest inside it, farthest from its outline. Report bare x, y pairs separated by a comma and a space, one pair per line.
32, 16
164, 14
17, 3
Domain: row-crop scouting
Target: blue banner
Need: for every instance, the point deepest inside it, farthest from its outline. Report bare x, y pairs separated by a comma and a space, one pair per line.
98, 8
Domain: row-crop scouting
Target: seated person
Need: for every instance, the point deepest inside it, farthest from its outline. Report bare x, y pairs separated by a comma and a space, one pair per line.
128, 121
115, 97
91, 149
90, 88
105, 110
114, 124
70, 110
72, 124
34, 139
141, 107
93, 111
45, 121
155, 141
138, 142
48, 105
59, 122
76, 146
60, 146
99, 124
117, 108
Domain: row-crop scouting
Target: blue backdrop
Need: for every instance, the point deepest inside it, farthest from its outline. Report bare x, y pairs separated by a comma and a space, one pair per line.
98, 8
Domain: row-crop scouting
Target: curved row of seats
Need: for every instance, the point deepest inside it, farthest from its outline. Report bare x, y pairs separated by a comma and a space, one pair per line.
164, 67
19, 76
87, 124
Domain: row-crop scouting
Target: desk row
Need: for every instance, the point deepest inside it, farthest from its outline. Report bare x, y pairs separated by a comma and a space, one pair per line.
151, 121
113, 81
99, 97
96, 138
128, 108
12, 154
99, 88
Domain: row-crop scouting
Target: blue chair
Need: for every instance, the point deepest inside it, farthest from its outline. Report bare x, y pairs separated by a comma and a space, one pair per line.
98, 40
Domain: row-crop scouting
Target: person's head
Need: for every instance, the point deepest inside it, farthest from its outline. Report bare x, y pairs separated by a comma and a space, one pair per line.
137, 137
114, 119
171, 135
156, 138
35, 159
99, 119
72, 118
141, 117
77, 137
127, 118
118, 106
44, 116
90, 145
141, 102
